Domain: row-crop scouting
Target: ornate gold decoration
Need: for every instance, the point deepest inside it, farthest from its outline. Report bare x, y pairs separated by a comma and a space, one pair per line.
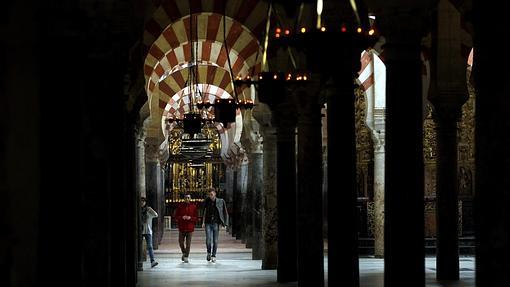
466, 146
371, 218
195, 179
364, 147
429, 137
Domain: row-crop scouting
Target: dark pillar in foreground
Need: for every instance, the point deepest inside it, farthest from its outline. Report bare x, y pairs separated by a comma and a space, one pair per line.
447, 211
286, 193
492, 194
309, 193
272, 92
404, 204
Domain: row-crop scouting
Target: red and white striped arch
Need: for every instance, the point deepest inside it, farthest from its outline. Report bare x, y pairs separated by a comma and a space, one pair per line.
206, 74
250, 13
173, 48
215, 80
178, 104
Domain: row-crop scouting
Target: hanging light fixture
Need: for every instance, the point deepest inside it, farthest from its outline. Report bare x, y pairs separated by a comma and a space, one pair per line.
199, 112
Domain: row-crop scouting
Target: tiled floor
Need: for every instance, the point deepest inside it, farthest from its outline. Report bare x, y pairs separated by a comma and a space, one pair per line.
235, 267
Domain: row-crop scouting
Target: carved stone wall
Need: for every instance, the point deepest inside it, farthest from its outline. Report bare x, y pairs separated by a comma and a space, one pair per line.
430, 158
466, 163
364, 166
466, 166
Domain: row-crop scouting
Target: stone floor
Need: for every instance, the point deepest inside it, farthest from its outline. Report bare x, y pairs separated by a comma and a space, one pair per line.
234, 267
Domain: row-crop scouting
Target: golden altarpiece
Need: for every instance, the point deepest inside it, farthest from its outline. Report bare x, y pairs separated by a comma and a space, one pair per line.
194, 166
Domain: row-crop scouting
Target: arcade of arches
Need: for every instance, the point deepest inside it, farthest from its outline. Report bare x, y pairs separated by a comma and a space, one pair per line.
375, 152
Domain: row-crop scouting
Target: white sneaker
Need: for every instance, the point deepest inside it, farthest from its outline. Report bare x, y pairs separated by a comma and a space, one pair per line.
213, 259
186, 260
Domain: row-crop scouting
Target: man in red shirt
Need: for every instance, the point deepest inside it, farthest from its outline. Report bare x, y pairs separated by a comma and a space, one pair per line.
186, 215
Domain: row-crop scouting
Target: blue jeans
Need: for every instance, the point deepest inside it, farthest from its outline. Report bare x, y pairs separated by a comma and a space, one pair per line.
148, 239
211, 234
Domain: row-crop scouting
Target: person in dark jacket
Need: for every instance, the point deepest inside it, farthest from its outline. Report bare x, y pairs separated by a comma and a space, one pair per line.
215, 213
186, 215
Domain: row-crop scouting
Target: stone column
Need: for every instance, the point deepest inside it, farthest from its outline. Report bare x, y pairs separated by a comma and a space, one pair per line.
257, 170
248, 210
286, 191
337, 65
272, 91
448, 93
309, 192
242, 172
492, 184
379, 158
140, 191
253, 143
153, 183
447, 215
161, 200
229, 196
343, 262
404, 250
236, 202
268, 197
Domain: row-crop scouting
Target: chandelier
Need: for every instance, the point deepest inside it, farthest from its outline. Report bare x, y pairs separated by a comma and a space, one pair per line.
202, 113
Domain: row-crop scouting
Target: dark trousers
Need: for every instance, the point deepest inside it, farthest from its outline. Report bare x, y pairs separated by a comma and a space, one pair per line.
185, 236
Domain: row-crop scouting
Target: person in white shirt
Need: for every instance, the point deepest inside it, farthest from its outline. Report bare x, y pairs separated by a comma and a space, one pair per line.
147, 215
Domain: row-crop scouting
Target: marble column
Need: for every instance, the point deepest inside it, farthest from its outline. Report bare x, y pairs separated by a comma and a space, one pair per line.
140, 191
269, 221
492, 149
286, 191
253, 144
404, 250
236, 203
379, 157
309, 192
229, 196
242, 174
161, 201
257, 179
248, 211
447, 215
343, 262
337, 66
448, 94
153, 183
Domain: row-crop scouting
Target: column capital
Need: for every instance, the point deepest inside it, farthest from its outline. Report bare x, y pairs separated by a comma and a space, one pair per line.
251, 138
403, 28
448, 105
414, 16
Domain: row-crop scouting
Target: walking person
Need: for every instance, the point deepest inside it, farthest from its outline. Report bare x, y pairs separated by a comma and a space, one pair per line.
186, 215
215, 213
147, 215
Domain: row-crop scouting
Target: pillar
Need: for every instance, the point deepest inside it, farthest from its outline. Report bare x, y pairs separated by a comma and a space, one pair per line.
448, 94
153, 184
269, 218
140, 191
447, 215
309, 192
492, 150
343, 262
242, 173
256, 162
253, 144
236, 203
286, 191
379, 158
404, 250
